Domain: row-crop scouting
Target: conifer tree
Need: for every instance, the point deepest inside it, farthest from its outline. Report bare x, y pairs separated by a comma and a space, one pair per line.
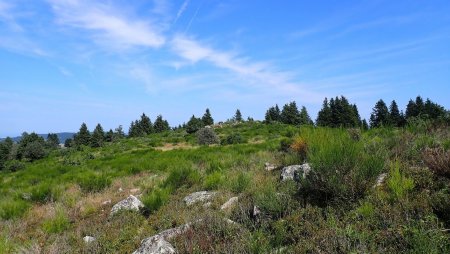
98, 136
145, 125
238, 116
194, 124
207, 118
160, 124
52, 141
290, 114
324, 115
411, 110
364, 124
395, 118
83, 137
118, 133
109, 136
380, 115
304, 116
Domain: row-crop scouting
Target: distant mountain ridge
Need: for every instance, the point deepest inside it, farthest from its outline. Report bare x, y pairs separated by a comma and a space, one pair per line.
62, 136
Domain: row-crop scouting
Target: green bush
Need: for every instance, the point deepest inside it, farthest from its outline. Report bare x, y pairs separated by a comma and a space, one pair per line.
14, 165
43, 193
233, 138
207, 136
12, 208
57, 224
93, 183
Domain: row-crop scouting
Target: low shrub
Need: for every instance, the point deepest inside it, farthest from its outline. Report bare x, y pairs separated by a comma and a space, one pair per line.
437, 160
239, 183
42, 193
207, 136
12, 208
14, 165
300, 147
57, 224
233, 138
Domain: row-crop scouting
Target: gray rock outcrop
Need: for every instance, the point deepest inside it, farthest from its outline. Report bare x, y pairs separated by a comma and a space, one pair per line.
230, 203
131, 203
295, 172
200, 196
158, 244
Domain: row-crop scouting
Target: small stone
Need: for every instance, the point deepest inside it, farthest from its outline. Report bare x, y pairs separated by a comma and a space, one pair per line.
89, 239
120, 189
269, 167
256, 211
380, 180
231, 202
26, 196
107, 202
295, 172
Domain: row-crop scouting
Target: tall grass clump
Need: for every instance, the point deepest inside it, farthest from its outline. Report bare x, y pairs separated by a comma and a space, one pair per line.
239, 183
398, 183
91, 182
181, 176
12, 208
342, 168
155, 199
213, 181
57, 224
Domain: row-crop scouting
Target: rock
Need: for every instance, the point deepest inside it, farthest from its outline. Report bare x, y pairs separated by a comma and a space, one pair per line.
380, 180
295, 172
26, 196
120, 189
136, 190
231, 202
106, 202
158, 244
269, 167
200, 196
89, 239
130, 203
155, 245
256, 211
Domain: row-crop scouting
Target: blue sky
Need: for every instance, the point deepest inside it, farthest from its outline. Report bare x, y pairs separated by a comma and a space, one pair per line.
64, 62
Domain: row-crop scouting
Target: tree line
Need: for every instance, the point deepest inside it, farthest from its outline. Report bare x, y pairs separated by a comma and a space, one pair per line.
336, 112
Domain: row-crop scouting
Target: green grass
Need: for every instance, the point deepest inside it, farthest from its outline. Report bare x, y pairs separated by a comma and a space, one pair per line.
335, 209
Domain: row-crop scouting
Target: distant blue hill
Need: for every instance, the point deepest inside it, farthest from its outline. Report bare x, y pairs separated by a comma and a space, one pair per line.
62, 136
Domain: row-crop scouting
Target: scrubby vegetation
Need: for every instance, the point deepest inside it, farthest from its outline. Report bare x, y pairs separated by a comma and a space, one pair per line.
381, 190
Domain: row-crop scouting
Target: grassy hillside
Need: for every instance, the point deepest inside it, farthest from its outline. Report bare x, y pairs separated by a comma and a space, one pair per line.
50, 205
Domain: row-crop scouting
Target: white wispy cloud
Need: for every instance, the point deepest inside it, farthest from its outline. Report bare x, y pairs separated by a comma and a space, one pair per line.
256, 74
182, 9
109, 25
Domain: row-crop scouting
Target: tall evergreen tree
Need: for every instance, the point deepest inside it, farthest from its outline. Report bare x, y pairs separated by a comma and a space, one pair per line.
109, 136
432, 110
304, 116
273, 114
5, 151
395, 118
238, 116
118, 133
380, 115
324, 115
160, 124
411, 110
31, 147
52, 141
364, 124
83, 137
145, 125
290, 114
98, 136
207, 118
194, 124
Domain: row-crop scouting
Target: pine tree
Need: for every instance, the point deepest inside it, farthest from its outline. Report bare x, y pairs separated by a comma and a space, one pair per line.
145, 125
238, 116
52, 141
109, 136
207, 118
194, 124
98, 136
433, 110
411, 110
273, 114
364, 124
290, 114
160, 124
395, 118
5, 151
304, 116
118, 133
380, 115
324, 115
31, 147
83, 137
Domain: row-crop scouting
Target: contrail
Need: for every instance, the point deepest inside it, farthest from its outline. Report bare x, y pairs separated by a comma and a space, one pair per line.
181, 10
193, 17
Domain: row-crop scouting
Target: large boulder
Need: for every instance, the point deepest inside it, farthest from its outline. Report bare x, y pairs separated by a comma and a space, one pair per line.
200, 196
295, 172
131, 203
